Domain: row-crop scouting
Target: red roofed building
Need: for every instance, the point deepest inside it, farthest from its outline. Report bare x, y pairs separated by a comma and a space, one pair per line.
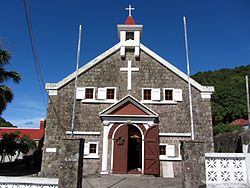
241, 122
36, 134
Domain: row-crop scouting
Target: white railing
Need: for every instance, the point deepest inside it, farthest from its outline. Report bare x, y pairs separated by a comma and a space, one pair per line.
28, 182
227, 169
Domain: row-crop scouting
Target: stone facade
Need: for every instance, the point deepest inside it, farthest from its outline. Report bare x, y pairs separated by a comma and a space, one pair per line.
173, 118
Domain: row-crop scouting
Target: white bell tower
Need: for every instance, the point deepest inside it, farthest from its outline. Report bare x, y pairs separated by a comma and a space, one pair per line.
130, 34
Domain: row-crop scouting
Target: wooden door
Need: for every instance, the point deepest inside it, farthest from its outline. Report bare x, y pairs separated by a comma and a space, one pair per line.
151, 151
120, 160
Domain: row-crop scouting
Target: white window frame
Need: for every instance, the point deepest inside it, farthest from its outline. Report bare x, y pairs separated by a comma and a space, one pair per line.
108, 100
151, 100
166, 157
93, 94
91, 155
114, 93
170, 101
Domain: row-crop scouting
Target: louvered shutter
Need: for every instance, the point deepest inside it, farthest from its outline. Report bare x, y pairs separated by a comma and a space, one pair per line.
102, 93
156, 94
80, 93
171, 150
86, 148
177, 95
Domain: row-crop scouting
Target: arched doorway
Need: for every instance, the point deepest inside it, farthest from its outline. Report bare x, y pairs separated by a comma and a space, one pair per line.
127, 151
134, 149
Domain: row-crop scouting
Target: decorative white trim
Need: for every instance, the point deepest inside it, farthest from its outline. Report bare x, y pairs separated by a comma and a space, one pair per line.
123, 101
238, 155
52, 92
175, 134
158, 102
31, 180
98, 59
50, 150
83, 133
107, 101
205, 95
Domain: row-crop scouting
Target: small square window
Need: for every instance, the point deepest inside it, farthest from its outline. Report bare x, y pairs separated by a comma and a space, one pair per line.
89, 93
147, 94
129, 35
110, 93
162, 149
92, 148
168, 94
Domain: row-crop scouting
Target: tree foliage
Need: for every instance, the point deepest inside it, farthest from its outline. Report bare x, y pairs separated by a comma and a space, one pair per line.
13, 144
229, 99
4, 123
6, 94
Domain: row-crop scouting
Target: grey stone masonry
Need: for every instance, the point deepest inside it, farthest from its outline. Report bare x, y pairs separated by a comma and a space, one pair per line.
71, 166
173, 118
193, 153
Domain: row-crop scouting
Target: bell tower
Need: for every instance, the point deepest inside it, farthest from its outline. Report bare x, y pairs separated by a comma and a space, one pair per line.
129, 34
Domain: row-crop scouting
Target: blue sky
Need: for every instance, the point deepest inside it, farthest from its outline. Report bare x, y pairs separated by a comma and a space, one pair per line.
218, 36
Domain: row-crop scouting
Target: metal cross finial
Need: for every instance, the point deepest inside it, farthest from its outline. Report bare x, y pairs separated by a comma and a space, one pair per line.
129, 10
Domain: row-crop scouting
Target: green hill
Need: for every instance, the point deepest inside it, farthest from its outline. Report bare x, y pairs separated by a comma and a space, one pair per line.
229, 99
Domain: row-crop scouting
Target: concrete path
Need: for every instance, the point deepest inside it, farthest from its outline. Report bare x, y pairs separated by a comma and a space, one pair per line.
130, 181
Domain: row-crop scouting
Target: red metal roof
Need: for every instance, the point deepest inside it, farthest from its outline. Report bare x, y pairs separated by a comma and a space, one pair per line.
241, 122
35, 134
130, 21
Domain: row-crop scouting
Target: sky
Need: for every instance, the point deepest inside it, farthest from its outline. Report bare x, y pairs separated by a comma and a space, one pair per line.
218, 37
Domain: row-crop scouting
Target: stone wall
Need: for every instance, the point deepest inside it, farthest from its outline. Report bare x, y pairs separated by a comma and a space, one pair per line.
173, 118
193, 154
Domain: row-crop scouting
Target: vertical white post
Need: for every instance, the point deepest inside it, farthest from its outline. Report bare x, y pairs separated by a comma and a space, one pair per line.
189, 85
105, 150
77, 67
248, 107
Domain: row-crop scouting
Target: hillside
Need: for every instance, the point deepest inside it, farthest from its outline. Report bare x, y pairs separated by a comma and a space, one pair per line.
229, 99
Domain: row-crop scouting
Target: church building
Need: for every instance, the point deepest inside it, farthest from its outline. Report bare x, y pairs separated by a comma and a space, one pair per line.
132, 109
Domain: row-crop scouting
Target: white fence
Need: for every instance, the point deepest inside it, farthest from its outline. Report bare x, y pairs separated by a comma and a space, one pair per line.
227, 169
28, 182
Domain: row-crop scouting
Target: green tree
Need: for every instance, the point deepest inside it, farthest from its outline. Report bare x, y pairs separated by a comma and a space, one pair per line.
229, 99
12, 144
4, 123
6, 94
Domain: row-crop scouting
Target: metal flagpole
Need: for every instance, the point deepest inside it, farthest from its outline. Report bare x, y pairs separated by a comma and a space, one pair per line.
189, 85
248, 107
75, 90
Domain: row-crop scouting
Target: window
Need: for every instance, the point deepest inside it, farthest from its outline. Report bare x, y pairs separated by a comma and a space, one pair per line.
162, 149
168, 94
85, 93
106, 93
129, 35
153, 94
92, 148
89, 93
169, 151
147, 94
111, 93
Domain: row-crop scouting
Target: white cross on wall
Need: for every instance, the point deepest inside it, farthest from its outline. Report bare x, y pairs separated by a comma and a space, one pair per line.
129, 10
130, 69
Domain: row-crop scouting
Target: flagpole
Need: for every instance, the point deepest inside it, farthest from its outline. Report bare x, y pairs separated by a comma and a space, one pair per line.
75, 89
248, 107
189, 85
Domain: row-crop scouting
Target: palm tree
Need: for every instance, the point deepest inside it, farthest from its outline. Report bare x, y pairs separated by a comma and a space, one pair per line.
6, 94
